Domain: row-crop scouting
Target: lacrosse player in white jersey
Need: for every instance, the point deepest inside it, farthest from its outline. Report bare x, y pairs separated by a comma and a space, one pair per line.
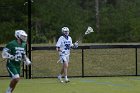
63, 46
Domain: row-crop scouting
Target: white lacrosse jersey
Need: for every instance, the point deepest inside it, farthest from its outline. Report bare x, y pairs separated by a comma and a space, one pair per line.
64, 44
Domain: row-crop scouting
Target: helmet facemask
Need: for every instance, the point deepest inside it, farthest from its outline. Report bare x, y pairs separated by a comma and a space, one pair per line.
66, 33
23, 38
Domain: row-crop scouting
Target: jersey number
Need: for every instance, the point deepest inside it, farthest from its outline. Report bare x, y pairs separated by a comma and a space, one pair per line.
19, 55
67, 46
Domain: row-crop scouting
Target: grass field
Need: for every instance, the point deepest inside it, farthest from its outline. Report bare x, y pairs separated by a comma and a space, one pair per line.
77, 85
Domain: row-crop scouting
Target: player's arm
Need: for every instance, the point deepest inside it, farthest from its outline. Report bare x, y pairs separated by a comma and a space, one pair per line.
26, 60
74, 45
58, 49
58, 44
6, 52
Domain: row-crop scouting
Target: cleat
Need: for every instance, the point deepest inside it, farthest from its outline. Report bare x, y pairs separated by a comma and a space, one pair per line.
60, 79
67, 80
8, 92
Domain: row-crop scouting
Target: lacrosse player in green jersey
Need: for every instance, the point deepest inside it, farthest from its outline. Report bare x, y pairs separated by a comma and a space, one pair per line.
15, 53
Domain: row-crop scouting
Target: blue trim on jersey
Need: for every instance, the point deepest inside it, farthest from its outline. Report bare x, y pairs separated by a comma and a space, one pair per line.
67, 37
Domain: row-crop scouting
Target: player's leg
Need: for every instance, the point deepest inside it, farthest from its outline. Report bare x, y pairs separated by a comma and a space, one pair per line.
14, 73
60, 75
62, 71
65, 66
14, 82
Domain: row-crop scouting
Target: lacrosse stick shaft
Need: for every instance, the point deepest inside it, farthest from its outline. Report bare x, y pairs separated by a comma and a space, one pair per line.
58, 60
88, 31
80, 39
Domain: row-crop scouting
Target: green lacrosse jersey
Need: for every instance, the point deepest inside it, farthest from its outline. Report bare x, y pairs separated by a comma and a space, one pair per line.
17, 50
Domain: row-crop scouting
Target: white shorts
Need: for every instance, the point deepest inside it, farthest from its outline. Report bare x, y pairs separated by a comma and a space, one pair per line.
64, 58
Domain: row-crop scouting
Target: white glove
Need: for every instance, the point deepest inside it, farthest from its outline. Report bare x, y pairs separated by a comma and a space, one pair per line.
27, 61
75, 45
7, 55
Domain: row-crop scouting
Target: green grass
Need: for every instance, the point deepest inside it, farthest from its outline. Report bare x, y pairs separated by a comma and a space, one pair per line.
77, 85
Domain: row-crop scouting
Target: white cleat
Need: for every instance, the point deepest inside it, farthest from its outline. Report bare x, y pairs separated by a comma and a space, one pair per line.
60, 79
67, 80
8, 92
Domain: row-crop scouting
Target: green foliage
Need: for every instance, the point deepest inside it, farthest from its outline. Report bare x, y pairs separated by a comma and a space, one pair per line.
118, 20
117, 23
54, 14
13, 17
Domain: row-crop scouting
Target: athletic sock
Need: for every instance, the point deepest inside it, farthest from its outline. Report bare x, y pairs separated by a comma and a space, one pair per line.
66, 77
60, 75
9, 90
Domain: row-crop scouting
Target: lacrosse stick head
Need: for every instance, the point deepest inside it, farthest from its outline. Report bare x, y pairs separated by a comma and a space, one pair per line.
89, 30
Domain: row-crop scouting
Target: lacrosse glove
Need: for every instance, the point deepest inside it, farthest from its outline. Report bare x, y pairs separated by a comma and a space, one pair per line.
75, 45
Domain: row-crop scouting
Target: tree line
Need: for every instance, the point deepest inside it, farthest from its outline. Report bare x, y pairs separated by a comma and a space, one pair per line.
118, 20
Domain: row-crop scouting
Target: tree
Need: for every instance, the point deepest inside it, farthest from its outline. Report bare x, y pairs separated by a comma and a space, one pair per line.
54, 14
13, 16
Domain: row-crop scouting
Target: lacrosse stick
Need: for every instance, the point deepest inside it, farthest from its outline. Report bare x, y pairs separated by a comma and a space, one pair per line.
58, 60
88, 31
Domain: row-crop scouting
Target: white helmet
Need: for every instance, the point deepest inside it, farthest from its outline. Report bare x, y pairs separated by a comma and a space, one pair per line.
21, 34
65, 31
